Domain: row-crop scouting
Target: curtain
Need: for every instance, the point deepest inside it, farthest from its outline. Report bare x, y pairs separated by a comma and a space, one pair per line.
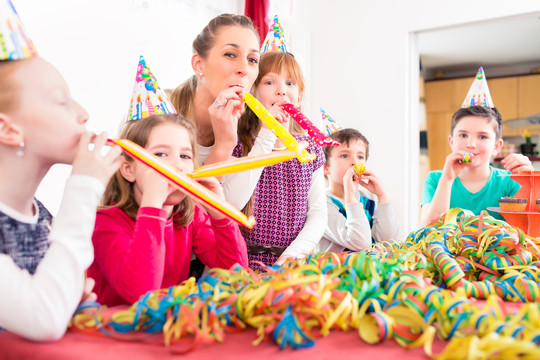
257, 11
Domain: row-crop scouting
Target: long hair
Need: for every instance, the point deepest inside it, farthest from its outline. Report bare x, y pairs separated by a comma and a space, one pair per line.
249, 124
183, 96
119, 192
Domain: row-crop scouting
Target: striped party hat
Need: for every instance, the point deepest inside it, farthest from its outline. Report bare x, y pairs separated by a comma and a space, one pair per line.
275, 39
148, 98
478, 94
14, 43
330, 126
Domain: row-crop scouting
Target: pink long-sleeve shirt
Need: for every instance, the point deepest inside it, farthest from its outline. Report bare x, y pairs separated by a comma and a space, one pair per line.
134, 257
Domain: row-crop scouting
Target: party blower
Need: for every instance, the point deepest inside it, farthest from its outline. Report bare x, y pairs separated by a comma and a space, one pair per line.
183, 182
247, 162
286, 138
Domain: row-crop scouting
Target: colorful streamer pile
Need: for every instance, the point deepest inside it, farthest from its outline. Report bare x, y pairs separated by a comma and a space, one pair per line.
409, 292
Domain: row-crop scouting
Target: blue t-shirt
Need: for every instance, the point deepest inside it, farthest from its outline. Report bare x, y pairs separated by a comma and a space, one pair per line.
496, 188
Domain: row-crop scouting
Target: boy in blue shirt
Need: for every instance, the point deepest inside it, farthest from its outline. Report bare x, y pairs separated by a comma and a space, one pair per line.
476, 185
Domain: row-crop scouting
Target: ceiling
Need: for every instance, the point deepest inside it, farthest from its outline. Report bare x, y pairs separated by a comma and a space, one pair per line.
510, 42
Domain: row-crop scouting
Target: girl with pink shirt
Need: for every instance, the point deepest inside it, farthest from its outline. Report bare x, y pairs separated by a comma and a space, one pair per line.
147, 230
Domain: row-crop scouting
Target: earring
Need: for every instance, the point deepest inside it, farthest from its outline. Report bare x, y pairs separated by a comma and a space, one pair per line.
20, 150
200, 74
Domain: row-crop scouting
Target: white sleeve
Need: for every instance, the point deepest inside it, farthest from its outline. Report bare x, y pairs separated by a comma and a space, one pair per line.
385, 223
353, 232
316, 219
39, 306
238, 187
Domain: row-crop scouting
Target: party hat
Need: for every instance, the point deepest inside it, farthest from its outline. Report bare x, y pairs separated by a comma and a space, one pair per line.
148, 99
330, 125
14, 43
478, 94
275, 39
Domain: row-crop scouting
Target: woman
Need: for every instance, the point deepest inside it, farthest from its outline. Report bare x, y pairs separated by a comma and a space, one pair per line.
226, 63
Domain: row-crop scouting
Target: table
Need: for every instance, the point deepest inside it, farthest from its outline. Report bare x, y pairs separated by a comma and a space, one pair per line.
338, 345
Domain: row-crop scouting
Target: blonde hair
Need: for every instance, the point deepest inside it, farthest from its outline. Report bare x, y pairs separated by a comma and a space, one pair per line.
249, 124
119, 192
183, 96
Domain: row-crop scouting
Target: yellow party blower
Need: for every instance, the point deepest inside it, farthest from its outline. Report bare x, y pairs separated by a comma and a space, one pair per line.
184, 183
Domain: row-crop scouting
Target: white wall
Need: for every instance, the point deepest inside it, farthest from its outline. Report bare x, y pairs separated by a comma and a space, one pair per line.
96, 45
364, 72
358, 57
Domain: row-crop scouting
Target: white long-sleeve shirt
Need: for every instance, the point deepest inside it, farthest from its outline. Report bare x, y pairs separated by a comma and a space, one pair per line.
238, 187
354, 231
316, 219
39, 306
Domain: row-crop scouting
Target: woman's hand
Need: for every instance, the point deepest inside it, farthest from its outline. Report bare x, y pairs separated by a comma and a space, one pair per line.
212, 184
91, 162
224, 114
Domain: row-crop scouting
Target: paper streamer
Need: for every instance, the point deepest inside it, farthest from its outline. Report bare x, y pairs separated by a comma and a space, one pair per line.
359, 168
184, 183
286, 138
245, 163
307, 125
379, 297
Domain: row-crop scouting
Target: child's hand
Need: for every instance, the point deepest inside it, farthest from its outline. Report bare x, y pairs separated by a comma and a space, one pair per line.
212, 184
153, 188
517, 162
350, 186
88, 295
92, 162
278, 113
224, 113
374, 185
282, 259
453, 166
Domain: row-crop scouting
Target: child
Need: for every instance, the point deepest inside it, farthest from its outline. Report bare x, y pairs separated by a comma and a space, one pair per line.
356, 214
477, 185
226, 62
474, 185
288, 201
42, 265
147, 229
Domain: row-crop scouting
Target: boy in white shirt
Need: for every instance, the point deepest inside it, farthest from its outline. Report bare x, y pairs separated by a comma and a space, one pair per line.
359, 210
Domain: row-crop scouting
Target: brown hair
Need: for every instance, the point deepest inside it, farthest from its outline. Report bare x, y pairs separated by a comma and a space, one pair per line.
119, 192
8, 96
491, 114
249, 124
182, 96
345, 136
